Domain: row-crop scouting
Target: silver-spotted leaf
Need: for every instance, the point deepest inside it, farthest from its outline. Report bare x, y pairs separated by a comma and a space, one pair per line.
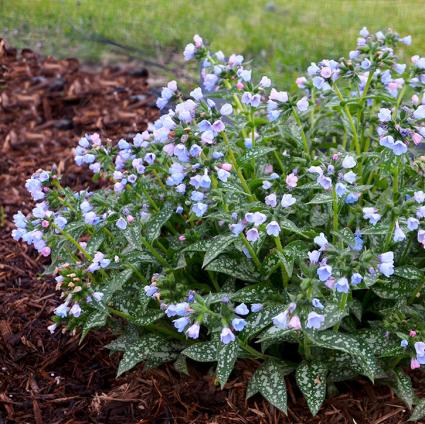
311, 379
226, 358
202, 352
269, 380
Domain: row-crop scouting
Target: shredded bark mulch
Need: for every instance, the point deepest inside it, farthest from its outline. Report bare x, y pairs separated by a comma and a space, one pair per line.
45, 106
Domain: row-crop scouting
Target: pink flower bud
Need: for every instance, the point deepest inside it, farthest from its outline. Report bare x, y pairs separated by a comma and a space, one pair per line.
130, 219
291, 180
295, 323
300, 81
226, 166
239, 86
45, 251
415, 99
182, 237
335, 156
268, 169
412, 333
414, 363
417, 138
44, 223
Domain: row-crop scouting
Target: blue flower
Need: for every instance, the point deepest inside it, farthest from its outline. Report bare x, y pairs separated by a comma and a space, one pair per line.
238, 324
287, 200
273, 229
384, 115
340, 189
404, 343
199, 209
321, 240
317, 303
193, 331
121, 223
281, 320
256, 307
227, 335
242, 309
342, 286
252, 235
315, 320
324, 272
181, 323
62, 310
226, 109
151, 290
356, 278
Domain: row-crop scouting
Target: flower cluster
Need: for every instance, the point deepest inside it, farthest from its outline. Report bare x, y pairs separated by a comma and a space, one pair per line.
247, 221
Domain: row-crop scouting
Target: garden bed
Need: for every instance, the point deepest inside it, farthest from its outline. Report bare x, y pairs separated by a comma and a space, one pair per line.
46, 105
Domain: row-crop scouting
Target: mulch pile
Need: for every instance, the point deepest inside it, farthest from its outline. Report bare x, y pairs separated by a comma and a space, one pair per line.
45, 106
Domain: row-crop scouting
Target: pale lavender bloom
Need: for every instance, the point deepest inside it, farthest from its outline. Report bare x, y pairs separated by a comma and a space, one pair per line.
193, 331
288, 200
256, 307
278, 96
273, 229
256, 218
356, 278
227, 335
350, 177
226, 109
181, 323
325, 182
317, 303
384, 115
398, 233
75, 311
271, 200
265, 82
412, 224
302, 104
281, 320
62, 310
321, 240
342, 286
238, 324
242, 309
314, 256
419, 196
349, 162
315, 320
324, 272
252, 235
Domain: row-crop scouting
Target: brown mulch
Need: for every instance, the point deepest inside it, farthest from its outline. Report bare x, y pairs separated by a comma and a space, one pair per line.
45, 106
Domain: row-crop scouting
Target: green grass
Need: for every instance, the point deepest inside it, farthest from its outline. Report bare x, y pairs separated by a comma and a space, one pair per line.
281, 36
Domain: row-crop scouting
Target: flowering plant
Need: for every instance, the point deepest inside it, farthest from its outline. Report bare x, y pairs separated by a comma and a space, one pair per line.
248, 222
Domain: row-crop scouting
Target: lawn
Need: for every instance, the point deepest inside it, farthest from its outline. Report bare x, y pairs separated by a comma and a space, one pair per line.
282, 36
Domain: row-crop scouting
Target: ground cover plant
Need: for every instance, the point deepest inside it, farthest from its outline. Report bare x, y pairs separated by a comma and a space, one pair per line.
249, 222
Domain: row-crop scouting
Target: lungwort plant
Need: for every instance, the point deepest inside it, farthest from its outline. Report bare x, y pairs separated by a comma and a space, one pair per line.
248, 222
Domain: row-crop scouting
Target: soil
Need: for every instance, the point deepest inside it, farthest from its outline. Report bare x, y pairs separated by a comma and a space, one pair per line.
45, 106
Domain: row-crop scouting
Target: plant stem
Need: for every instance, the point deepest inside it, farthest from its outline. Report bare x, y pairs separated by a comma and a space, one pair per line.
285, 277
235, 165
73, 241
334, 212
154, 252
303, 136
350, 120
251, 251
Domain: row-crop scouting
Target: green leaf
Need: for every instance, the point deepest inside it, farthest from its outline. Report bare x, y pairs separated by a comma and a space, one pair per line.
382, 345
202, 352
256, 322
180, 365
133, 235
147, 318
115, 283
94, 243
333, 315
217, 246
349, 344
402, 386
287, 261
409, 273
419, 411
311, 379
254, 293
149, 347
226, 358
96, 319
375, 230
269, 380
393, 288
321, 198
254, 153
288, 225
154, 225
347, 236
239, 268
